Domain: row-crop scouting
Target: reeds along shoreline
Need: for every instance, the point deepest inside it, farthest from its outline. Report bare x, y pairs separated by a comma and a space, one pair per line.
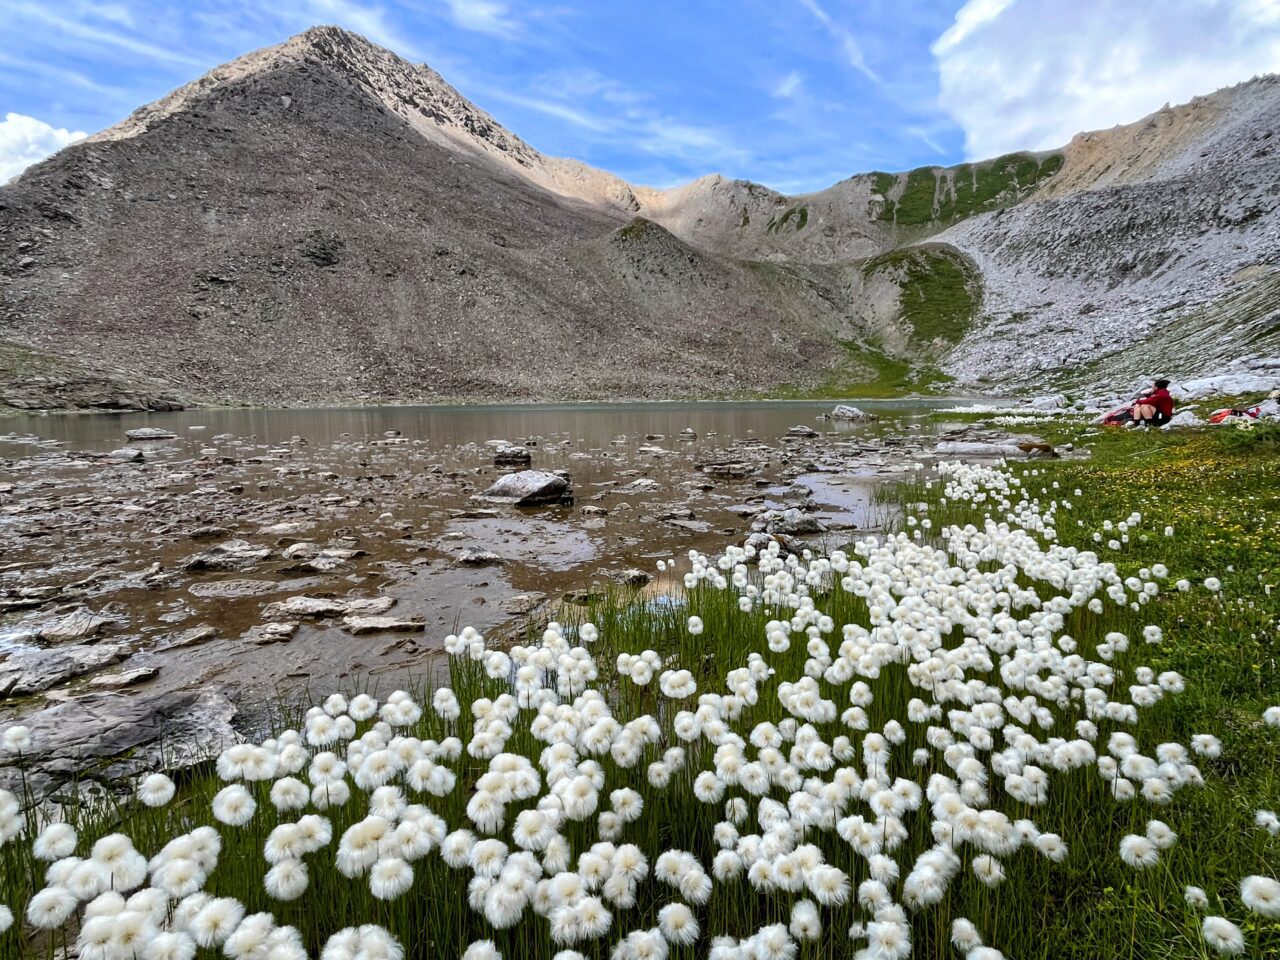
923, 745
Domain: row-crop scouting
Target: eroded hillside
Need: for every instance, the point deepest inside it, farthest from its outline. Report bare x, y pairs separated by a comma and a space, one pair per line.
323, 221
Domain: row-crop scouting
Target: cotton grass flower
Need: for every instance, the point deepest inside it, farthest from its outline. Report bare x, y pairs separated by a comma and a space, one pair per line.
1139, 852
234, 806
389, 878
482, 950
51, 907
286, 880
1261, 895
56, 841
156, 790
367, 942
16, 739
1223, 936
216, 921
678, 925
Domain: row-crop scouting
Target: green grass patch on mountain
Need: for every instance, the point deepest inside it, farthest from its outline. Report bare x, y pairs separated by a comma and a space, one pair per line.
939, 291
867, 373
948, 194
796, 217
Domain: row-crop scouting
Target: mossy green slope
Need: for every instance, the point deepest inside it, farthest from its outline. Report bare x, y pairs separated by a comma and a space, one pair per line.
945, 195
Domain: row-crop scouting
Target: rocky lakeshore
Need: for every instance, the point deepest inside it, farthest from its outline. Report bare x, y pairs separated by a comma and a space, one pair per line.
156, 592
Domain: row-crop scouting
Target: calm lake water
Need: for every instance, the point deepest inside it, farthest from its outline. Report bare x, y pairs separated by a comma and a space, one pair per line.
588, 425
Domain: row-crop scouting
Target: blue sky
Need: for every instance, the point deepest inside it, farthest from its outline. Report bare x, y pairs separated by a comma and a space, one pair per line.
793, 93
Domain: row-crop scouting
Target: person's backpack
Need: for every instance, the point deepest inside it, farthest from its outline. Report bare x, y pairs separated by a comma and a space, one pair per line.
1119, 417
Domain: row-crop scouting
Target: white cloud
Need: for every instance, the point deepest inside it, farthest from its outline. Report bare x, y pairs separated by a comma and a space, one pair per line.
24, 140
483, 16
789, 87
1030, 74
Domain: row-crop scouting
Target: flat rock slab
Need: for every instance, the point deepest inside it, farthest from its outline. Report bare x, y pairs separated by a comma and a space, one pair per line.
231, 555
233, 589
265, 633
77, 625
31, 671
362, 625
150, 433
523, 604
326, 607
192, 637
978, 448
640, 485
729, 469
125, 678
83, 737
529, 488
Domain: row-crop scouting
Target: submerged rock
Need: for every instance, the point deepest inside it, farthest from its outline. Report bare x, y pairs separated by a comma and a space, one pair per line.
512, 457
800, 430
640, 485
529, 488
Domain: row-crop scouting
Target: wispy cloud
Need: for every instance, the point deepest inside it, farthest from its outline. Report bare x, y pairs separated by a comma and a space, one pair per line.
551, 108
85, 28
846, 42
925, 137
611, 114
484, 16
790, 86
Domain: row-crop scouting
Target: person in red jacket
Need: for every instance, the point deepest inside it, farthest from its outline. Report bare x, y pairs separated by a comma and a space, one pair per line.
1156, 409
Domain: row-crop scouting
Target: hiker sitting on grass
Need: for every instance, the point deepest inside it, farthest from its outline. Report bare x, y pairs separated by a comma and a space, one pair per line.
1156, 409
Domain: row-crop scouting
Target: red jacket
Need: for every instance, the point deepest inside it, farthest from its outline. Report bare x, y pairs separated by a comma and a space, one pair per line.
1162, 401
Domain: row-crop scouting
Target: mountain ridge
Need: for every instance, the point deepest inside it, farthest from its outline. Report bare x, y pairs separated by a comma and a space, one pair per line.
232, 211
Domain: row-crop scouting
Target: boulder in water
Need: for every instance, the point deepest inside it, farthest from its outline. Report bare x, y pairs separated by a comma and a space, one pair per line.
847, 411
529, 488
231, 555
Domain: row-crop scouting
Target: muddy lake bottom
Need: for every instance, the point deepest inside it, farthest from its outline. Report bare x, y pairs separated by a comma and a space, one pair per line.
125, 624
